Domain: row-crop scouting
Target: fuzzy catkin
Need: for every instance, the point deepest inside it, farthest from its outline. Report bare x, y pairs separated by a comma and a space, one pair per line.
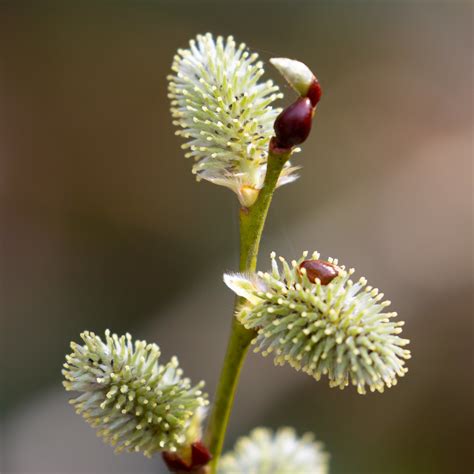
136, 403
341, 330
225, 113
280, 452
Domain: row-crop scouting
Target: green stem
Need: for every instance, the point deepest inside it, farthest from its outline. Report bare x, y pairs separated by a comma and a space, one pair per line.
252, 221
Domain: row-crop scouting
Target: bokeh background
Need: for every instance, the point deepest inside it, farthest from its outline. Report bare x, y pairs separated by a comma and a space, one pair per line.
103, 225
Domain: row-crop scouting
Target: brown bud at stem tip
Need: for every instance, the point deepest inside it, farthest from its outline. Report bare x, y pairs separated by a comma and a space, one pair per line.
325, 271
314, 92
200, 456
275, 148
293, 125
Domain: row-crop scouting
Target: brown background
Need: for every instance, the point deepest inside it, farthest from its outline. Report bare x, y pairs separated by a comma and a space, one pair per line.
102, 224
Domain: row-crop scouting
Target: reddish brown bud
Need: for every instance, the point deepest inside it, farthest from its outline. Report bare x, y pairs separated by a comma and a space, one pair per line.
325, 271
200, 456
275, 147
293, 125
314, 92
175, 463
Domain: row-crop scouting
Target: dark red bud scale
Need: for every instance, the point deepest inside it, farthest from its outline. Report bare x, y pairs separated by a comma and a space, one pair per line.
314, 92
293, 125
200, 456
175, 463
325, 271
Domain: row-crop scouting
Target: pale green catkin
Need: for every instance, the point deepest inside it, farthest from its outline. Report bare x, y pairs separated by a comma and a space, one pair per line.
225, 113
136, 403
340, 330
282, 452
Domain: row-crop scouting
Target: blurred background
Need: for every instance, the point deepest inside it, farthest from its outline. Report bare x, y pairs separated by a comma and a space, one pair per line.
103, 225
